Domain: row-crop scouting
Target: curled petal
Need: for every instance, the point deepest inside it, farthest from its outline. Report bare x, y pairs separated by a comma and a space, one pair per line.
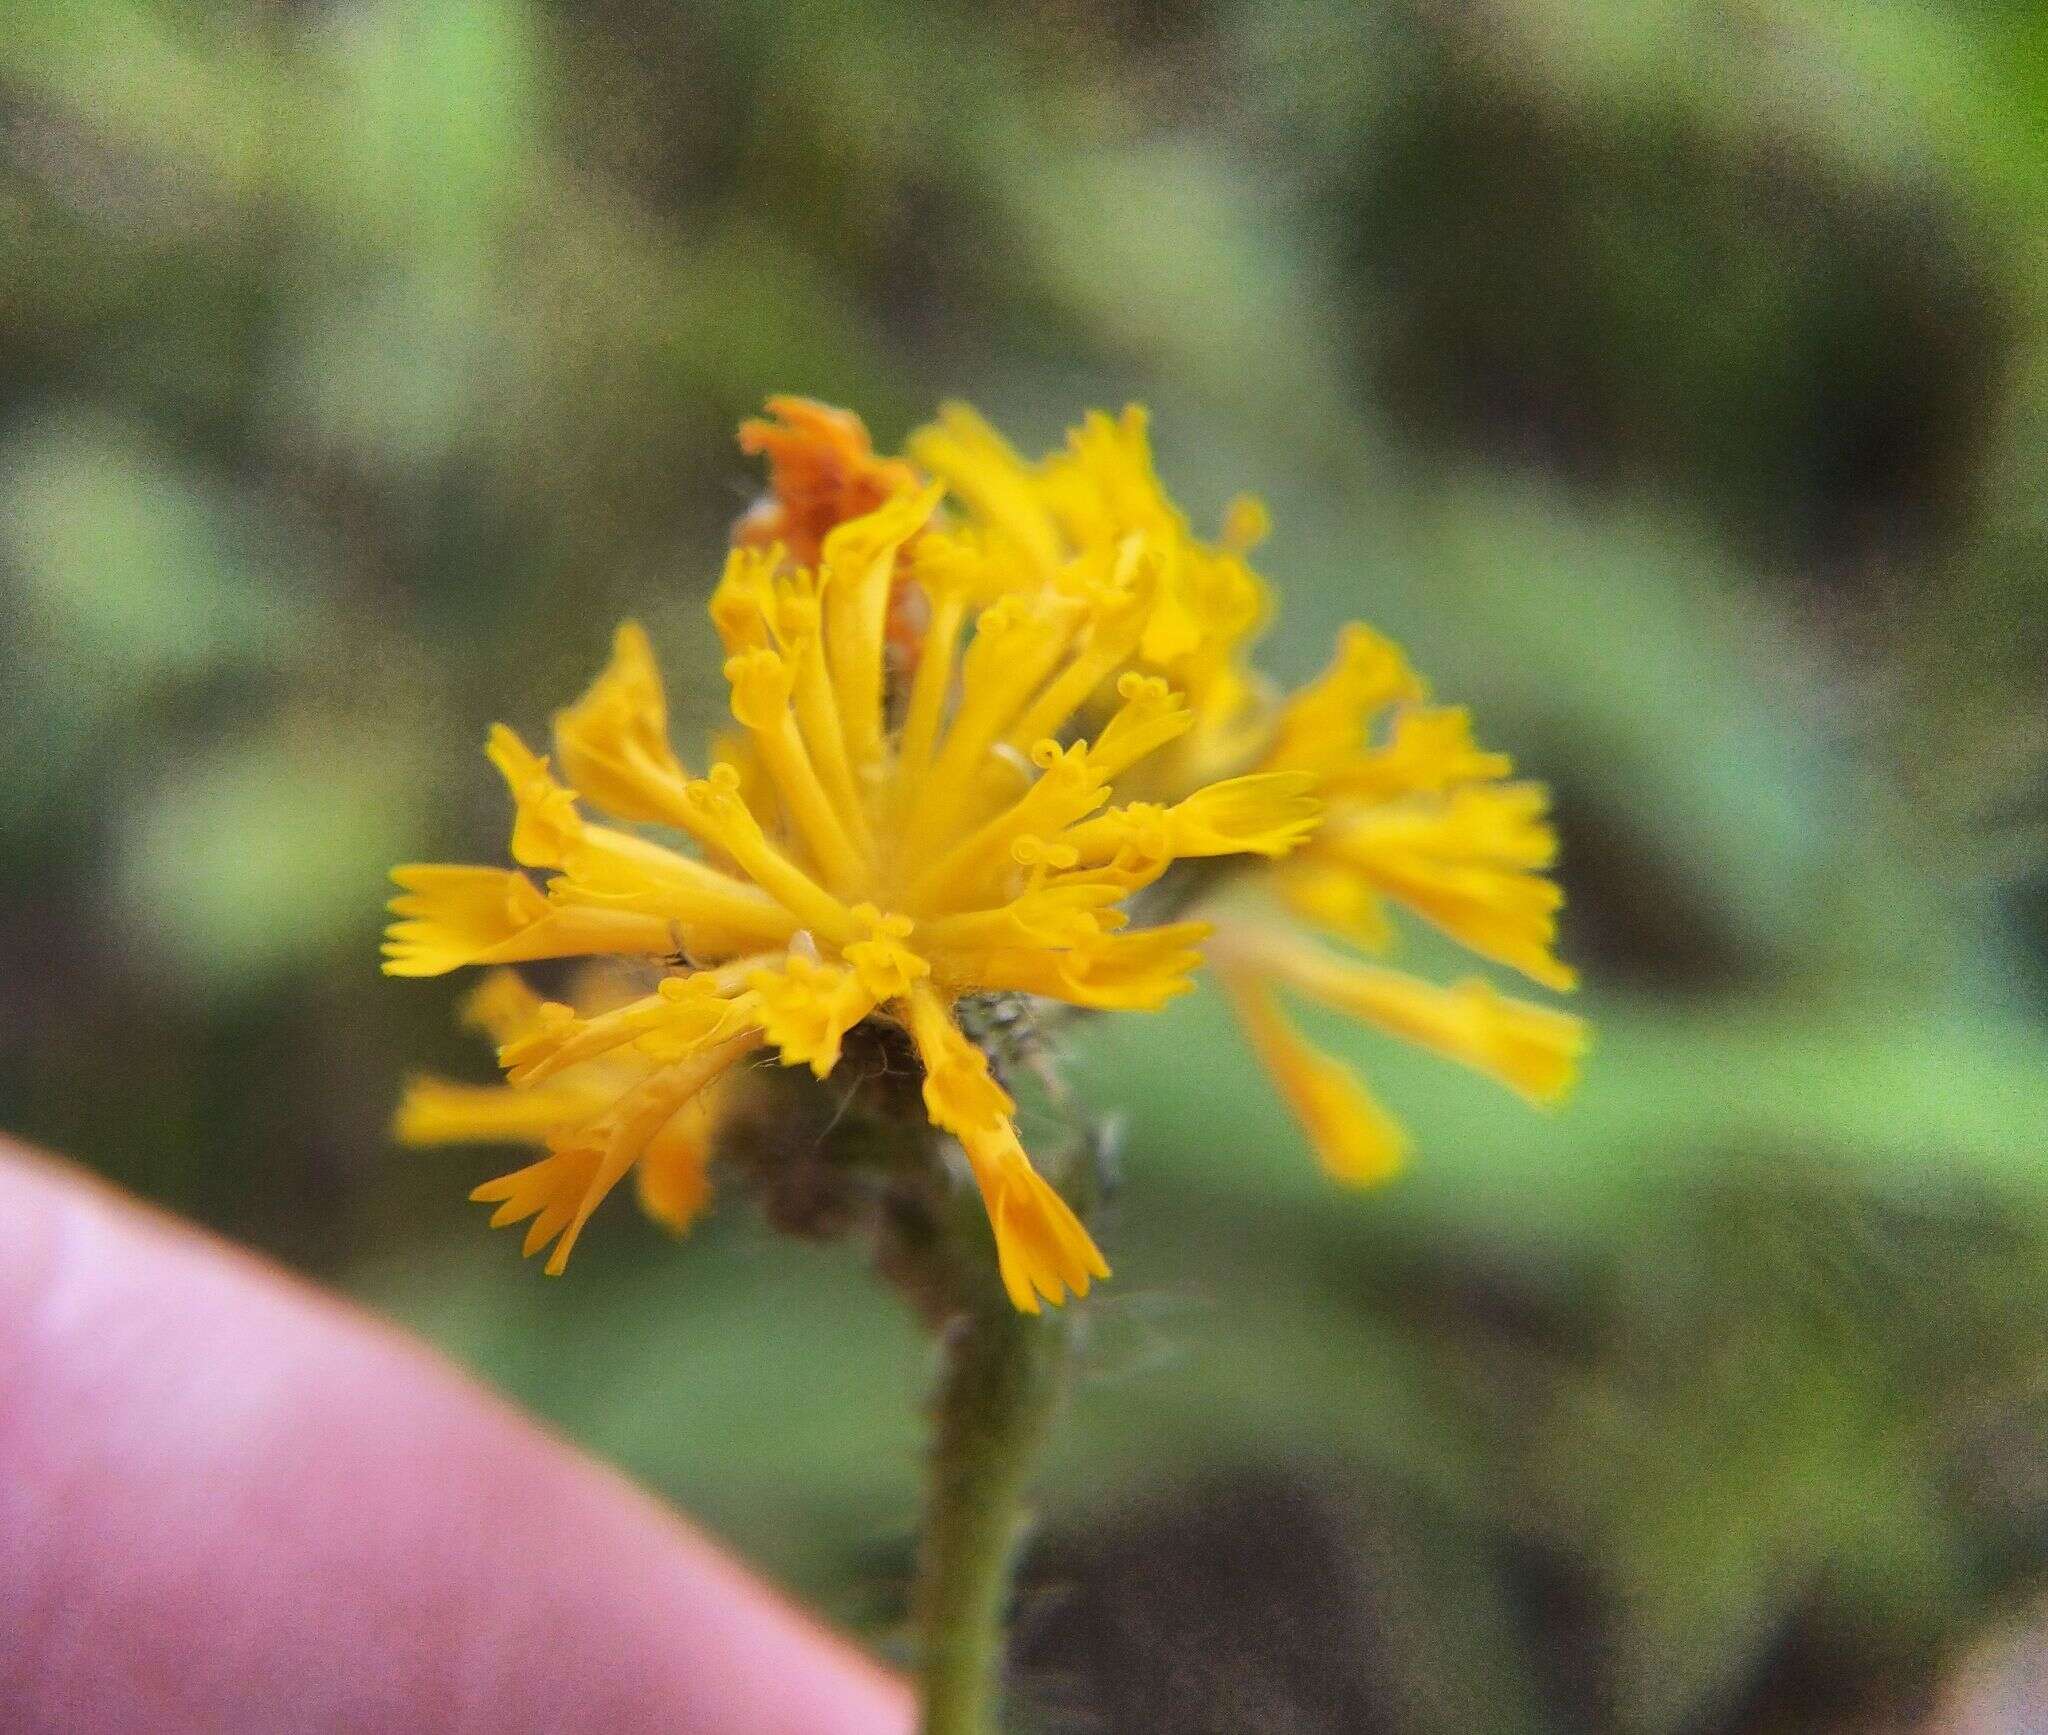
1041, 1246
613, 742
822, 470
546, 826
806, 1008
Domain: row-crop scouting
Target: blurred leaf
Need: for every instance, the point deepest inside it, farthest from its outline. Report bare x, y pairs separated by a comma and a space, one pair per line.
187, 82
1907, 1097
1174, 255
426, 116
259, 855
135, 568
1763, 1429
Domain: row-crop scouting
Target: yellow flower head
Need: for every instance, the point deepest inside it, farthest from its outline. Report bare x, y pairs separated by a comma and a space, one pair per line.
978, 719
874, 848
1099, 500
1413, 815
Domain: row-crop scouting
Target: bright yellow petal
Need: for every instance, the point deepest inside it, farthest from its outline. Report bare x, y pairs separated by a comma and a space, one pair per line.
685, 1015
435, 1111
1137, 971
762, 684
1066, 789
503, 1006
710, 912
673, 1176
859, 572
980, 468
452, 916
883, 959
545, 825
716, 804
1531, 1049
1041, 1246
1354, 1138
1118, 610
1151, 715
1467, 863
1429, 748
1042, 1249
1265, 813
1332, 896
1323, 725
560, 1192
613, 742
1054, 917
806, 1009
1018, 641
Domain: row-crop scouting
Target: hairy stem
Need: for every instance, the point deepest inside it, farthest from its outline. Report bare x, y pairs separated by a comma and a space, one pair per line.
1001, 1373
999, 1384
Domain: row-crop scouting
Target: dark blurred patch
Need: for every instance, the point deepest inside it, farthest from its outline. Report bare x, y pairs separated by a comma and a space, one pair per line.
1652, 293
1640, 920
1743, 1481
1224, 1608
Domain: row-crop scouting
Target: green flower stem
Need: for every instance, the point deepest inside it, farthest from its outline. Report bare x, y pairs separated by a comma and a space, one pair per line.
1000, 1380
1001, 1373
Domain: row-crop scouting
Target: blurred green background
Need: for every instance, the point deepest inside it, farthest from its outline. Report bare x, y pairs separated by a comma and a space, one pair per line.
1670, 376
